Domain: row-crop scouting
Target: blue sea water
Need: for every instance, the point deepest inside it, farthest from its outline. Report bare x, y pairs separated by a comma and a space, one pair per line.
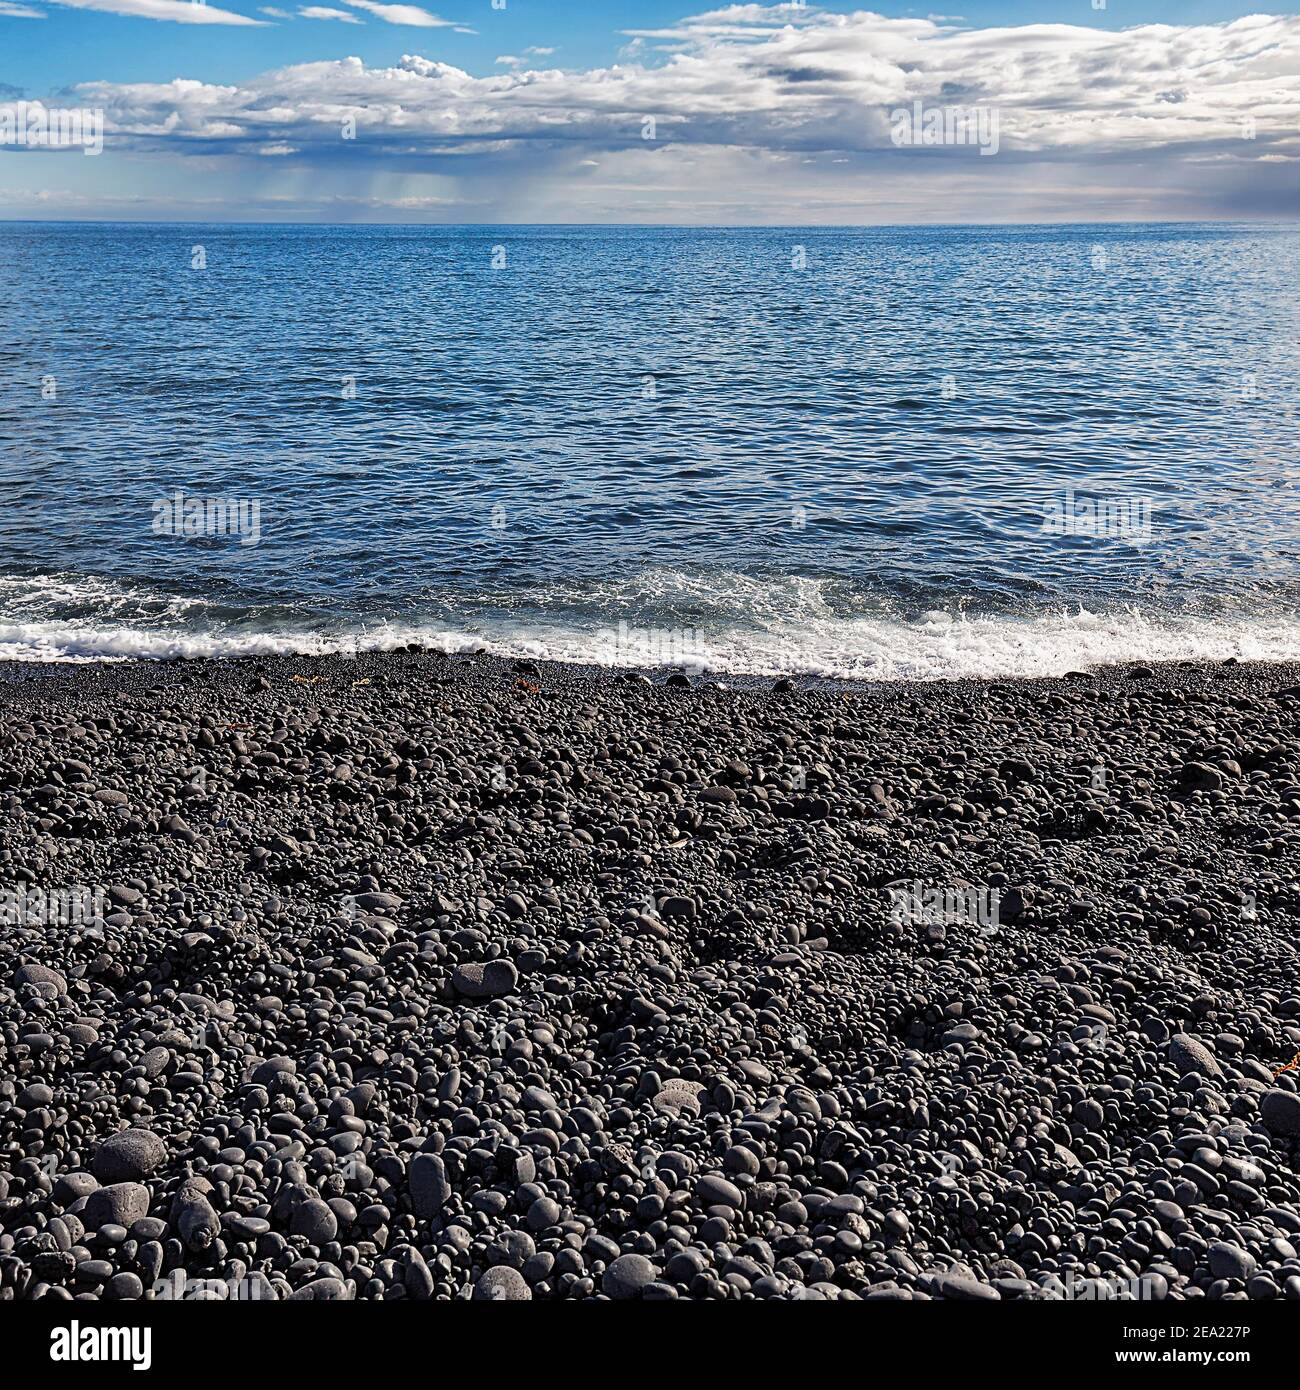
846, 451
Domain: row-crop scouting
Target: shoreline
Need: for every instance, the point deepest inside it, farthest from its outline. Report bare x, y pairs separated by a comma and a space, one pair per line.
468, 977
484, 663
800, 637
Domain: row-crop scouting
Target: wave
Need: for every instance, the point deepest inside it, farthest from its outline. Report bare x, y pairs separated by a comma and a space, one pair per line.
729, 624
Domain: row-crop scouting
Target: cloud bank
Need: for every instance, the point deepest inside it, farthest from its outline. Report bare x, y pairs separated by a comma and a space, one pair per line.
788, 110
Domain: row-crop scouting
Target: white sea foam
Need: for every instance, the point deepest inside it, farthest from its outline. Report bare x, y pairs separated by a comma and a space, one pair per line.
939, 647
728, 623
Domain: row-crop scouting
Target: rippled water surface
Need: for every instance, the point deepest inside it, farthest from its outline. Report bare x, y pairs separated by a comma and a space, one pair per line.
821, 450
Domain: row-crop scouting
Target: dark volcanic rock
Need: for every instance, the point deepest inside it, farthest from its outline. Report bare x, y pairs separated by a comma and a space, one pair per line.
1190, 1054
628, 1276
120, 1204
1280, 1112
40, 975
129, 1156
429, 1186
484, 981
502, 1284
434, 979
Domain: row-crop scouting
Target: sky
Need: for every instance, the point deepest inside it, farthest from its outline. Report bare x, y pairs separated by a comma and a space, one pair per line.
652, 111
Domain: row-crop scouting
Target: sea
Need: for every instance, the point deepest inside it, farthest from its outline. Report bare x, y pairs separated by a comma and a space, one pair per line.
885, 452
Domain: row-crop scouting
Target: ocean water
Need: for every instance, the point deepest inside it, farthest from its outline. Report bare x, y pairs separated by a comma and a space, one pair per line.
918, 452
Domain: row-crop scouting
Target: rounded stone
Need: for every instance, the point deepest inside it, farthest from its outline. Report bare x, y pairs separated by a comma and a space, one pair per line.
429, 1186
40, 975
1230, 1261
1190, 1054
628, 1276
119, 1204
128, 1156
502, 1284
1280, 1112
711, 1190
315, 1221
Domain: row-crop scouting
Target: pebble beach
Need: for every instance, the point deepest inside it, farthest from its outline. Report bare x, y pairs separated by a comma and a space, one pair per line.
415, 977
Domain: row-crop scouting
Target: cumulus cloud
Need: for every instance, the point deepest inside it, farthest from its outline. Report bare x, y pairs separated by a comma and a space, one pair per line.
509, 60
828, 82
782, 87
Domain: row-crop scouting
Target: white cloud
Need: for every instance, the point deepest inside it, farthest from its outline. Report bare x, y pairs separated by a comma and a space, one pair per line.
755, 90
827, 85
9, 10
178, 11
324, 12
509, 60
410, 15
273, 12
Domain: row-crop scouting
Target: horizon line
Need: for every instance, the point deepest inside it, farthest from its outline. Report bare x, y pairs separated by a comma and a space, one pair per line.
650, 226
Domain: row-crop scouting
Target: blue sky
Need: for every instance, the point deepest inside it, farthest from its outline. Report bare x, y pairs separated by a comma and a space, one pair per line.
536, 112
